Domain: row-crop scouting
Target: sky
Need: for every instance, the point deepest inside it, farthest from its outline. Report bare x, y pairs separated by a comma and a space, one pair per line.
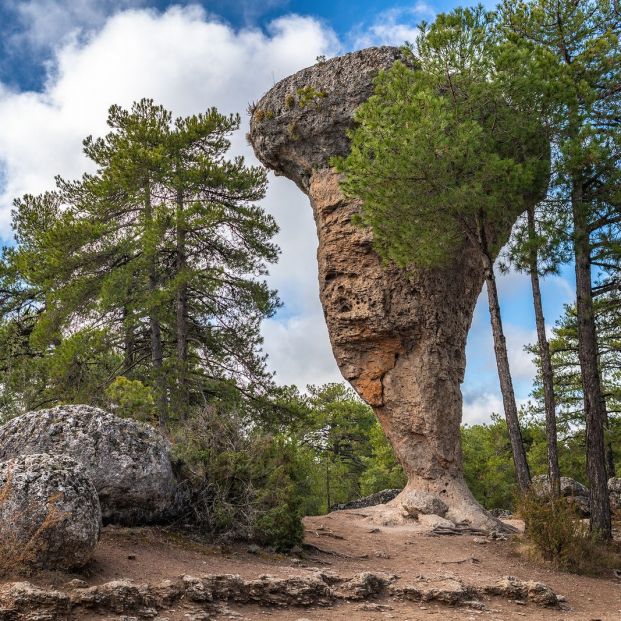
64, 62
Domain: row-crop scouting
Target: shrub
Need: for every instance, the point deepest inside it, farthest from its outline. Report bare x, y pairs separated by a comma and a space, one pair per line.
558, 535
238, 482
131, 399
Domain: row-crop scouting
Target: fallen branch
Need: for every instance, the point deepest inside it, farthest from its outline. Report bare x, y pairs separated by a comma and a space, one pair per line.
458, 530
463, 560
325, 533
312, 546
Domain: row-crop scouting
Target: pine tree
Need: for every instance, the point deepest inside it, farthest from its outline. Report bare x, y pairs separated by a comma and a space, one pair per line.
570, 59
538, 248
162, 249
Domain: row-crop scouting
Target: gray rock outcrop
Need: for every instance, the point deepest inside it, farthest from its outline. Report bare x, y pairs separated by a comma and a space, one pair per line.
577, 495
127, 461
569, 487
379, 498
398, 336
50, 516
24, 601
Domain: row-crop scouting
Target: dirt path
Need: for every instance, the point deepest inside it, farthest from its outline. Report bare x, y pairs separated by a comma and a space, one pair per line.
351, 544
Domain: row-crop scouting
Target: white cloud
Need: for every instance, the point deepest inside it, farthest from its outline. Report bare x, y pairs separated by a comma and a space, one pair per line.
179, 58
479, 408
300, 350
44, 23
394, 26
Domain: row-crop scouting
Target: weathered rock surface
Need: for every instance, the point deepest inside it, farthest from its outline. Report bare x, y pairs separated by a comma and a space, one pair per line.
536, 592
50, 516
416, 503
128, 462
576, 494
398, 336
379, 498
569, 487
25, 602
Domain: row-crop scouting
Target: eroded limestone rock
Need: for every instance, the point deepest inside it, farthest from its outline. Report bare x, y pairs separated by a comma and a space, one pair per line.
530, 590
569, 487
398, 336
128, 462
50, 516
416, 503
24, 602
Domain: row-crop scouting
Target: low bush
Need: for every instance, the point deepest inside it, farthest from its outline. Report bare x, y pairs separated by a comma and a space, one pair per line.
558, 535
238, 483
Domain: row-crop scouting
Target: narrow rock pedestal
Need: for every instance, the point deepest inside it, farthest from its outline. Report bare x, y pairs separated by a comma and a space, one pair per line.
398, 336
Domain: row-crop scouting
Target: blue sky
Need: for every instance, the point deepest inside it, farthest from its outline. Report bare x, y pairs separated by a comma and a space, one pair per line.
63, 62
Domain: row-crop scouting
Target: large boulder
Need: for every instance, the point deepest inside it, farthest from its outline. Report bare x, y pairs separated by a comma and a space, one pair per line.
128, 462
50, 516
577, 495
569, 487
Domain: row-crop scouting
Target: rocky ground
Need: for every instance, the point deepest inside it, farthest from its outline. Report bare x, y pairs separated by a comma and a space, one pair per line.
351, 568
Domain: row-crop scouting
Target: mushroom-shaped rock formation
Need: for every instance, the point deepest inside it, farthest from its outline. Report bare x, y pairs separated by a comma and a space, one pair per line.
398, 337
128, 462
50, 516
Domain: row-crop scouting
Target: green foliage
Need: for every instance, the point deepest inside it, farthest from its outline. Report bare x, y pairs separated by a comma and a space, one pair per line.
151, 268
131, 399
439, 151
382, 471
568, 380
347, 452
279, 523
308, 95
239, 483
488, 465
557, 533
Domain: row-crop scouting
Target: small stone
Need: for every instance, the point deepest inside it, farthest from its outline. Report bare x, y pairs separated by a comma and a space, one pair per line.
479, 540
76, 583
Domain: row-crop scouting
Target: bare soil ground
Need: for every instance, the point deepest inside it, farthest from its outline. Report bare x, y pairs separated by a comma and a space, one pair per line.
351, 543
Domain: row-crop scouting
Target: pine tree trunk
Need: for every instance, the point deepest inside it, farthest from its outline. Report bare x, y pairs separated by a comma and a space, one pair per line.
546, 364
129, 345
594, 406
182, 312
504, 373
157, 349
